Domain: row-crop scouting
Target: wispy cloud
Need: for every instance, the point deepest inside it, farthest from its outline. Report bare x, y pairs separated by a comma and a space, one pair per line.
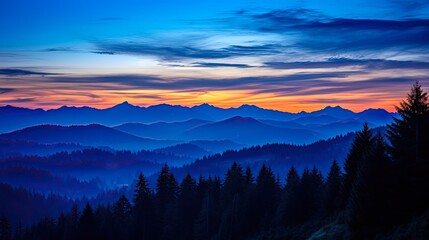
318, 32
216, 65
19, 100
176, 50
6, 90
18, 72
370, 64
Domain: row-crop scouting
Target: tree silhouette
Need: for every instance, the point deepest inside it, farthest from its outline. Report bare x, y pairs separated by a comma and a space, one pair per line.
122, 218
188, 207
5, 229
334, 188
409, 141
289, 207
361, 147
145, 220
87, 224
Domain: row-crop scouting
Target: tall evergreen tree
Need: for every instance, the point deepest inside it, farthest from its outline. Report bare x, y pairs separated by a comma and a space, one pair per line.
144, 211
333, 189
249, 179
87, 224
5, 229
166, 188
207, 221
310, 194
409, 141
267, 194
166, 196
408, 133
369, 197
187, 208
233, 189
122, 218
73, 225
361, 147
288, 210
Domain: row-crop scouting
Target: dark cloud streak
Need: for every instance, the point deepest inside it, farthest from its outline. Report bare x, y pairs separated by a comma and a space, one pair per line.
20, 72
369, 64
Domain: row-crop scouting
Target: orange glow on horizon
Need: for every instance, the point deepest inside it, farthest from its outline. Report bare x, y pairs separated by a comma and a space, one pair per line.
225, 99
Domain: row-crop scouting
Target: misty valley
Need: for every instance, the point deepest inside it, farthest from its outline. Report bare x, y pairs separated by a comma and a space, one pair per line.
173, 172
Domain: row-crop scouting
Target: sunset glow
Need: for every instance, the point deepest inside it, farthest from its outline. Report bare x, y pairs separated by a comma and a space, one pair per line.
297, 56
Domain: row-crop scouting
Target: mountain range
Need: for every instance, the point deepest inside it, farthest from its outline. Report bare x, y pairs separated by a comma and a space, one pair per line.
15, 118
130, 127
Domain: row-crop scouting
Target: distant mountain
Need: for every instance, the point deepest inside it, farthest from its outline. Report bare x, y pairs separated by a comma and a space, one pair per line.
46, 182
320, 119
283, 124
90, 135
337, 112
185, 150
280, 157
376, 116
12, 148
245, 110
339, 127
14, 118
249, 131
159, 130
217, 146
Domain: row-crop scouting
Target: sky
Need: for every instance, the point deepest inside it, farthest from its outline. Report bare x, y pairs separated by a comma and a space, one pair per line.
289, 55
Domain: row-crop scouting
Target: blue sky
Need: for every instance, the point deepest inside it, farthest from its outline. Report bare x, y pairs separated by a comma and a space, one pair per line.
276, 54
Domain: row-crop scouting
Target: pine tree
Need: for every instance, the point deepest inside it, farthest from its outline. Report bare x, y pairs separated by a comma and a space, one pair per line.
288, 209
361, 147
408, 133
73, 222
19, 231
249, 177
233, 190
187, 208
166, 188
267, 194
87, 224
234, 180
309, 194
333, 189
409, 141
122, 218
370, 194
207, 221
144, 212
5, 229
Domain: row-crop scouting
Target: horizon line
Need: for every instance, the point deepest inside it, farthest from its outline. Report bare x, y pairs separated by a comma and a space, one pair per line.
126, 102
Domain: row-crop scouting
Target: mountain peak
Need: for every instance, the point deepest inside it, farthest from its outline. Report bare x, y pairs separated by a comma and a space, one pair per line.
204, 105
240, 119
124, 104
334, 107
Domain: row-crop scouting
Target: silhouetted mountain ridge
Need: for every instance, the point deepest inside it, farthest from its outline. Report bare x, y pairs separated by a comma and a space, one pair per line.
13, 118
91, 135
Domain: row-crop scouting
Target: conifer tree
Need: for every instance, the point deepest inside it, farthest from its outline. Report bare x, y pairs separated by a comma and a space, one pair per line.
409, 141
122, 218
408, 134
187, 208
5, 229
267, 196
87, 224
166, 188
361, 147
144, 212
333, 189
288, 209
